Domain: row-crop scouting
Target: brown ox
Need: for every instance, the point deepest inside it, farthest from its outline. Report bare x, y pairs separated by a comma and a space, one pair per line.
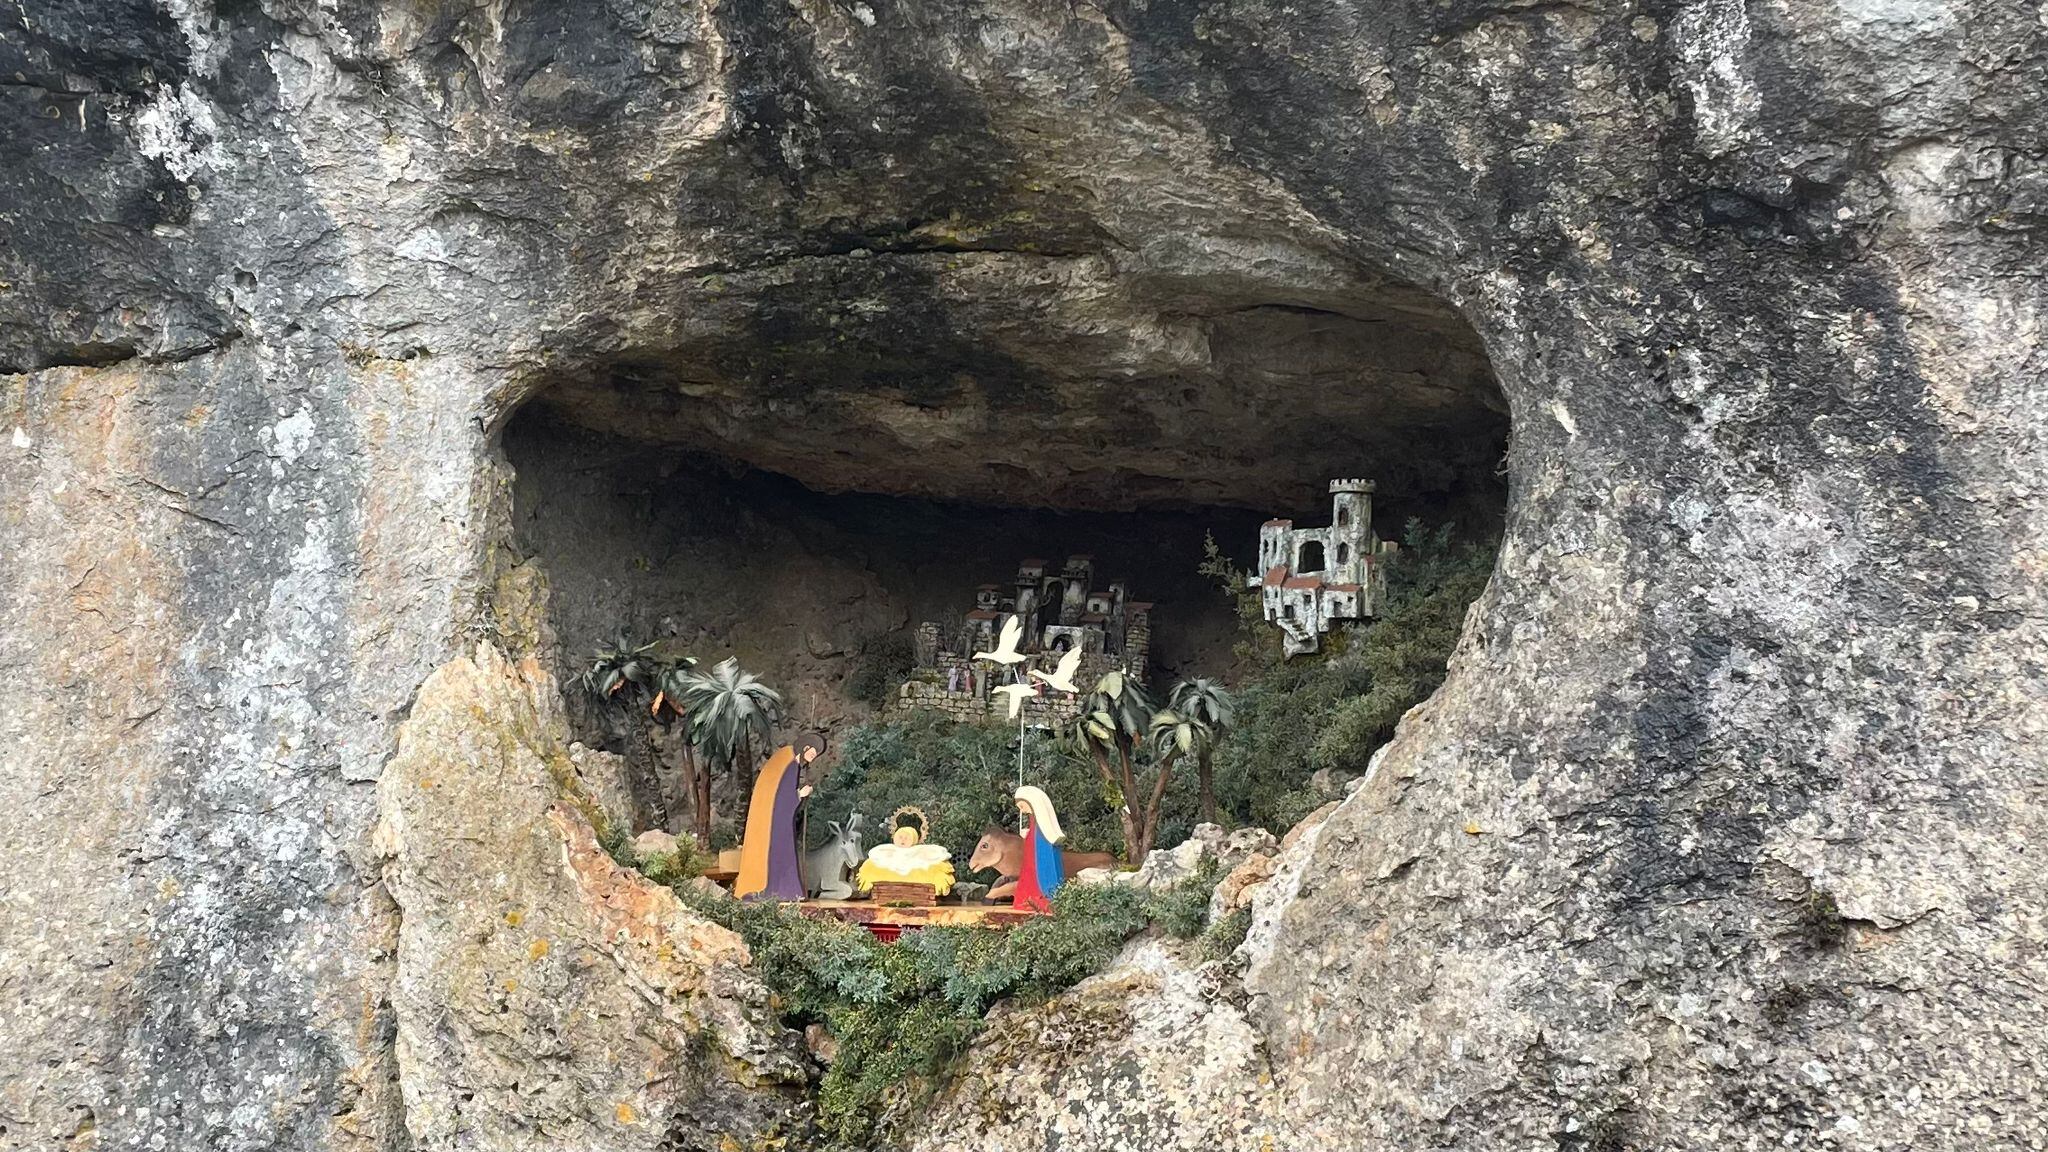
1004, 852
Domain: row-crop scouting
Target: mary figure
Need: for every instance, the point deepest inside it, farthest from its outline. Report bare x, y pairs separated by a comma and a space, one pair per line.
1042, 872
768, 854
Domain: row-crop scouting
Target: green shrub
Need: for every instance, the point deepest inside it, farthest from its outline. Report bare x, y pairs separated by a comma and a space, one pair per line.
901, 1013
1334, 709
687, 862
962, 777
1222, 938
1183, 909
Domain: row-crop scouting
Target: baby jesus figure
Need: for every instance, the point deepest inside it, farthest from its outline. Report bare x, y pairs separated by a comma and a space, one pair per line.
906, 859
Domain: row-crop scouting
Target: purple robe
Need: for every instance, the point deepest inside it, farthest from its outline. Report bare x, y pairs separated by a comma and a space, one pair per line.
785, 873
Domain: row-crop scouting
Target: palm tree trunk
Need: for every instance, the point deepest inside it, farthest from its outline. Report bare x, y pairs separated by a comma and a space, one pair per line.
700, 798
1136, 842
747, 765
1208, 788
1152, 806
658, 801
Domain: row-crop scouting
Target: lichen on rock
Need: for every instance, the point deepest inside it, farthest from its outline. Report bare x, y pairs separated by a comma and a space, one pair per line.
547, 997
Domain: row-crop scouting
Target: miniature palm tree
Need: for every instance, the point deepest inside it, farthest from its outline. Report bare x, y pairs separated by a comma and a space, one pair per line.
672, 691
624, 678
1206, 703
1113, 726
623, 669
727, 709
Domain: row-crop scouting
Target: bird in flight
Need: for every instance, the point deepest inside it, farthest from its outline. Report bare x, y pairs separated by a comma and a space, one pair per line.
1062, 677
1017, 694
1006, 646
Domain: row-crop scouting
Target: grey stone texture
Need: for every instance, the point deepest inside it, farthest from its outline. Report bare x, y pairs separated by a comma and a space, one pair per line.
1723, 833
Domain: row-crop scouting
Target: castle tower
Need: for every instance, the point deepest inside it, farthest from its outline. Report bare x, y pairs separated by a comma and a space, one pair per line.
1351, 538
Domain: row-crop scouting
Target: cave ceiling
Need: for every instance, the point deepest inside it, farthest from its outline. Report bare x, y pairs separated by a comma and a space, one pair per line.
1019, 379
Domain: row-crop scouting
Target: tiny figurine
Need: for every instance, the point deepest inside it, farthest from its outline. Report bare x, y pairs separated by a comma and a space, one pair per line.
828, 868
768, 854
1006, 650
1062, 677
1003, 850
907, 859
1017, 694
1041, 870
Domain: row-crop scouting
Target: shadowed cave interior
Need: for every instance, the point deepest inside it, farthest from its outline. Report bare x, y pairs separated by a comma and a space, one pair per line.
798, 501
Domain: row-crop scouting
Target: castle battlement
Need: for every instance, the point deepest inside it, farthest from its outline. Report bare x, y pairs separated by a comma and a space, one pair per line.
1311, 579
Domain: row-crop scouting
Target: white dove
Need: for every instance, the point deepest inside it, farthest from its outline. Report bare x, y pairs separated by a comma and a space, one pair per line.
1006, 647
1017, 694
1062, 678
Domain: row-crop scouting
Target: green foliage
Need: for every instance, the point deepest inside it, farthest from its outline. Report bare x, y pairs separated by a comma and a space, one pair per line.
616, 844
962, 776
1258, 643
901, 1013
1223, 936
729, 710
625, 673
885, 663
1183, 909
1333, 711
687, 862
1430, 583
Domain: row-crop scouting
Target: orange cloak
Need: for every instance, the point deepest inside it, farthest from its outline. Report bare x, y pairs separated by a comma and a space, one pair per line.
761, 832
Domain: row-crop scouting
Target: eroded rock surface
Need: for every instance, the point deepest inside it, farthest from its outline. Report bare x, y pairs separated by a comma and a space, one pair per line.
1145, 1055
545, 997
1720, 834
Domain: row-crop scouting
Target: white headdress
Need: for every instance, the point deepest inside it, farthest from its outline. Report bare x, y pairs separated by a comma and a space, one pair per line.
1042, 815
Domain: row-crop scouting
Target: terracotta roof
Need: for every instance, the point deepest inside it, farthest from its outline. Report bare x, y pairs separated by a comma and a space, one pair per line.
1138, 606
1034, 562
1276, 574
983, 614
1343, 587
1278, 524
985, 587
1304, 582
1094, 618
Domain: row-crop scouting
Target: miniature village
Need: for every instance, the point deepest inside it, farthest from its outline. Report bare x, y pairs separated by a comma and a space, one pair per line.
1057, 611
1055, 650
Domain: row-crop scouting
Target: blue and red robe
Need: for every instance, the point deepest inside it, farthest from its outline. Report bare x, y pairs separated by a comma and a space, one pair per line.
1043, 871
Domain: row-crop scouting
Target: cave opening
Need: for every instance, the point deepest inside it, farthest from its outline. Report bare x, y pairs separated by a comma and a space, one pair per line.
802, 493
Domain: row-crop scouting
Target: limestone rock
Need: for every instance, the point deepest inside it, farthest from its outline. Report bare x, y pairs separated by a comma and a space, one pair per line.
1165, 867
545, 997
654, 842
1749, 721
1144, 1056
1243, 844
1236, 889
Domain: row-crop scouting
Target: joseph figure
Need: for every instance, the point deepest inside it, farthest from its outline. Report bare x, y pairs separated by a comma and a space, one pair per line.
769, 867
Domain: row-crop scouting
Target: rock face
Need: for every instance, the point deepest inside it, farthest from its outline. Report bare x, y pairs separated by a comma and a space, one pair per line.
1719, 834
545, 997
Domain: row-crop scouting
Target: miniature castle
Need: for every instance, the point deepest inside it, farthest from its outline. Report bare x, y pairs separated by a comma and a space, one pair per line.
1060, 609
1312, 578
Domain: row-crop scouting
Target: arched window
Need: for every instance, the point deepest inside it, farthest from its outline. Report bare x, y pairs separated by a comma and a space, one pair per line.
1343, 555
1343, 516
1311, 557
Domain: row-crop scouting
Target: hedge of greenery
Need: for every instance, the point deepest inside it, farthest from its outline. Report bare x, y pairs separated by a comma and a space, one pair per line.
1334, 710
962, 776
900, 1013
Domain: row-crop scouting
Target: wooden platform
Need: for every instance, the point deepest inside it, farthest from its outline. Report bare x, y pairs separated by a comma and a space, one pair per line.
888, 922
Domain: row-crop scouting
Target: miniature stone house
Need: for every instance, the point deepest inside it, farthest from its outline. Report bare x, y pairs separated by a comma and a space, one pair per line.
1060, 609
1311, 579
